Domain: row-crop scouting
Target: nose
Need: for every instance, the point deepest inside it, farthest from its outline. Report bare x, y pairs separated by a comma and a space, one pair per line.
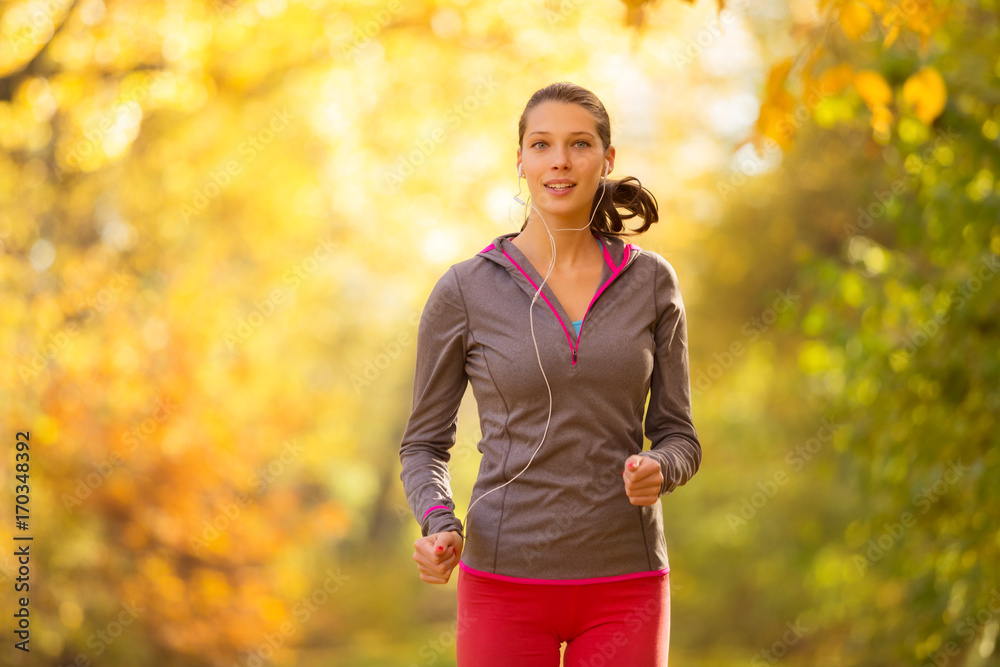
560, 158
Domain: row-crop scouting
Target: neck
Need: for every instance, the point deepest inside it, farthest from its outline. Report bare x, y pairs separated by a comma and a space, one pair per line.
573, 247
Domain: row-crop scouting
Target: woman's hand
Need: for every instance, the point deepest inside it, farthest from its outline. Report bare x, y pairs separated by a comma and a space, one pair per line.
437, 555
643, 480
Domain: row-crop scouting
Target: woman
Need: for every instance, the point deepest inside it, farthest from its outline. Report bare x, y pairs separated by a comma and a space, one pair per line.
567, 544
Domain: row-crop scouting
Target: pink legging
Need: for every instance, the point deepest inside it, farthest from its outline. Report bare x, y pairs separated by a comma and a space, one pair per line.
606, 624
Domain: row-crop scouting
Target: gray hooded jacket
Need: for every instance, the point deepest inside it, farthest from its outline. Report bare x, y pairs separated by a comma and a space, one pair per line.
566, 518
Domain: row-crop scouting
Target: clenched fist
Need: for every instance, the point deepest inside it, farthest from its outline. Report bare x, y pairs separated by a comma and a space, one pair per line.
437, 555
643, 480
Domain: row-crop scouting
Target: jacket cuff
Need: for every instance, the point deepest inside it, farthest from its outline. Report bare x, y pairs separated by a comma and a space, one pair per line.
666, 469
441, 520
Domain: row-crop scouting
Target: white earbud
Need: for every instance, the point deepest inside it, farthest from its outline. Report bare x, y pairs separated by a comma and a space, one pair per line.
607, 167
520, 175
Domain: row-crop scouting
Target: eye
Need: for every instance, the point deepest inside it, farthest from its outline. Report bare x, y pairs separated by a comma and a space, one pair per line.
576, 143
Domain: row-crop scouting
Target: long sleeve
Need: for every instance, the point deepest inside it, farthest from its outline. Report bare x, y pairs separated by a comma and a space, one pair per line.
668, 424
438, 387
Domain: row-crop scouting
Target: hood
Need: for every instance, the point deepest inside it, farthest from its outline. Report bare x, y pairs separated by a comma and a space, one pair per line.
618, 253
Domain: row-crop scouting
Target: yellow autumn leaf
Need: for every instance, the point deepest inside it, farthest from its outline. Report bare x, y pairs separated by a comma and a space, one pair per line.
776, 105
773, 122
209, 586
925, 22
918, 22
776, 77
891, 36
872, 88
877, 6
925, 93
808, 80
881, 118
855, 19
835, 79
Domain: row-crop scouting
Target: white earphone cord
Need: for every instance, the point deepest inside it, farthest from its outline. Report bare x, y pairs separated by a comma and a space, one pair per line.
531, 319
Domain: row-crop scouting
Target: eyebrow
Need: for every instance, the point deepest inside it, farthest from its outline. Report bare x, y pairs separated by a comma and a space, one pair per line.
589, 134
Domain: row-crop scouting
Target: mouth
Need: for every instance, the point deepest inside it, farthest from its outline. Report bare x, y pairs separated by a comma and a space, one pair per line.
559, 188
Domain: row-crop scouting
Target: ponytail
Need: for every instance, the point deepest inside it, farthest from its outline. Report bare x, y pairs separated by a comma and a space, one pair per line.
626, 193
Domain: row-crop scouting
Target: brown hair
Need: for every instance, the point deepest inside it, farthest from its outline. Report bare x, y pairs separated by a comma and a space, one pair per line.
627, 193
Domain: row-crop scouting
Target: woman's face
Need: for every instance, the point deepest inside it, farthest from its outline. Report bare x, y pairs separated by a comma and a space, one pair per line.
561, 146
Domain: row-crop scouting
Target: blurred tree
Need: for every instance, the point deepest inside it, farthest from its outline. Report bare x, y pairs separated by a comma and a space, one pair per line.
896, 244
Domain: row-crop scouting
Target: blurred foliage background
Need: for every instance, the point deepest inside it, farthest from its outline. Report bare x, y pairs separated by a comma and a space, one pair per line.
219, 222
